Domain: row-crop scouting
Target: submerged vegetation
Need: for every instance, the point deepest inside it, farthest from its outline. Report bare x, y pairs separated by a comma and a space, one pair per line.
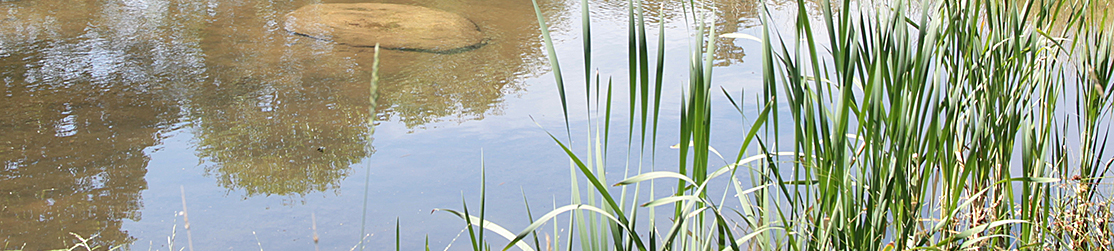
942, 125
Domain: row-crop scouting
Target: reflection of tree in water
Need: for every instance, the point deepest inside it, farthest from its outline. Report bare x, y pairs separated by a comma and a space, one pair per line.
287, 115
732, 16
75, 164
276, 117
422, 88
80, 105
275, 139
85, 181
729, 16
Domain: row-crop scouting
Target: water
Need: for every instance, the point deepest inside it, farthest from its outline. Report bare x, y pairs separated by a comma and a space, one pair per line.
111, 109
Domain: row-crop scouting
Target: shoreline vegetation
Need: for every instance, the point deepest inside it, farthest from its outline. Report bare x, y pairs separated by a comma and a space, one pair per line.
888, 125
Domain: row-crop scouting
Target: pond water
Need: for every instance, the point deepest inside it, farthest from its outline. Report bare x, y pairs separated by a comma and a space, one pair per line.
115, 113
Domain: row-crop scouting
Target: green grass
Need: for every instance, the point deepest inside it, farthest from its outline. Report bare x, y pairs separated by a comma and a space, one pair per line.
946, 126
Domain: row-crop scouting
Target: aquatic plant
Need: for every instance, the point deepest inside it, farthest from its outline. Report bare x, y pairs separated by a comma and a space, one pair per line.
944, 125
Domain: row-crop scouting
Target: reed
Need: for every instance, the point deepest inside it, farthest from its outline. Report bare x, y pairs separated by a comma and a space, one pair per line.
885, 126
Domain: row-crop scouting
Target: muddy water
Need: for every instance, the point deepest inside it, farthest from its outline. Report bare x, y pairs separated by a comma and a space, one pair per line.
115, 112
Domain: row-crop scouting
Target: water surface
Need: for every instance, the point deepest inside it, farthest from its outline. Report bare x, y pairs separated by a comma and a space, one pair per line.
114, 111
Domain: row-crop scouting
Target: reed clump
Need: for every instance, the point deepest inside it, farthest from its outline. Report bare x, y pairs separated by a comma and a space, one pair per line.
938, 125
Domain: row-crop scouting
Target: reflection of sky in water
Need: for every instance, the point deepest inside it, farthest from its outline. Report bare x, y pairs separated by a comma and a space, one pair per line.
65, 127
273, 123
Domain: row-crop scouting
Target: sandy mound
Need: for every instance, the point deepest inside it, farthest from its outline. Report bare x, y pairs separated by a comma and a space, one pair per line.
393, 26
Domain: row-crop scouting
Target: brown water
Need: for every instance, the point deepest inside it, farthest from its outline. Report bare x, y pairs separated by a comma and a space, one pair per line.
112, 108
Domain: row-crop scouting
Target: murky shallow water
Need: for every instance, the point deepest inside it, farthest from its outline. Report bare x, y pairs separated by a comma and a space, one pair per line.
112, 110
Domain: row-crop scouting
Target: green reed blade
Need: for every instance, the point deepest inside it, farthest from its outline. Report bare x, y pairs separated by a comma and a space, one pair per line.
586, 29
553, 63
485, 225
658, 84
